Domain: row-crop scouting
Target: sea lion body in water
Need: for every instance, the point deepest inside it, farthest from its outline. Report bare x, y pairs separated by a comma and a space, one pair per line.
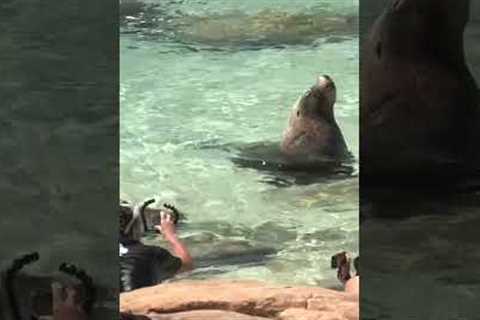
419, 102
312, 141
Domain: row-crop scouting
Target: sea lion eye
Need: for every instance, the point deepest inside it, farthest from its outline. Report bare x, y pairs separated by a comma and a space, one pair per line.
298, 113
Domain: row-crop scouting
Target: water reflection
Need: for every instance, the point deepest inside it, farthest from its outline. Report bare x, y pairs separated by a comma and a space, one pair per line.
419, 255
58, 150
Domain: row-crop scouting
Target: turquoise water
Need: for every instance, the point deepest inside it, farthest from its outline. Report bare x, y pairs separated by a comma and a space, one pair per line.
181, 101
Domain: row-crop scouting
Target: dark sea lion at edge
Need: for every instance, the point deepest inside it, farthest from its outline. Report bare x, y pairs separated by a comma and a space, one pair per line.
312, 145
419, 102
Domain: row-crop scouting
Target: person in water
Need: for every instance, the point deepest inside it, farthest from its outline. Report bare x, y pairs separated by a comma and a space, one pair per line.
145, 265
353, 284
342, 262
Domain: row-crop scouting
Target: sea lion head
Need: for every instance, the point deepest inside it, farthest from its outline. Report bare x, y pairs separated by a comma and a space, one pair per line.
312, 133
318, 101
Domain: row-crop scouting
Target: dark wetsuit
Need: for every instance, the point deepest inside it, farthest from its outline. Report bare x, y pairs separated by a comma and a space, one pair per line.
143, 266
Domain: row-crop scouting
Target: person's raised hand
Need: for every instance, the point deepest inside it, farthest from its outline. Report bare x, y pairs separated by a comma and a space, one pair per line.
167, 224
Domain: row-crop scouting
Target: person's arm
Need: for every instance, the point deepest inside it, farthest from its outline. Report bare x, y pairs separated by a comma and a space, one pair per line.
168, 230
353, 285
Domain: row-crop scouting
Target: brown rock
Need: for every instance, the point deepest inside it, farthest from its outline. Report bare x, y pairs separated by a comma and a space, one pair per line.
246, 297
302, 314
204, 315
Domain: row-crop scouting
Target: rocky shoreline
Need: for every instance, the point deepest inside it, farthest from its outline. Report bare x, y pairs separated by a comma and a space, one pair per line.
237, 300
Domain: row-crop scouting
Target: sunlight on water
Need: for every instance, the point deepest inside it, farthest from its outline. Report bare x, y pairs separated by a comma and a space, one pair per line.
179, 107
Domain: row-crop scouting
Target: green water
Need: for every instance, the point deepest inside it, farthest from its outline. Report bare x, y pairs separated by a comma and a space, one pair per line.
180, 103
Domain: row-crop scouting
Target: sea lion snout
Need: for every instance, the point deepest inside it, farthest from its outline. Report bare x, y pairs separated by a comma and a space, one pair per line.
323, 82
321, 96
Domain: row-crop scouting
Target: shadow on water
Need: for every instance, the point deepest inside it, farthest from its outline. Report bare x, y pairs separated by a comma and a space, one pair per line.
280, 171
221, 247
400, 203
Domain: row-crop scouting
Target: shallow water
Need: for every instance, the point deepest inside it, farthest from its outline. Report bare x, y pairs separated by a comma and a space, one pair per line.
180, 104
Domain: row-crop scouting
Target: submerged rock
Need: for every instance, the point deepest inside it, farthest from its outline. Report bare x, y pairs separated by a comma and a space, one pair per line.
265, 27
235, 28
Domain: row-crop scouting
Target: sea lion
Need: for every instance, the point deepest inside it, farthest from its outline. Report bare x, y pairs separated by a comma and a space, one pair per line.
419, 102
312, 147
312, 134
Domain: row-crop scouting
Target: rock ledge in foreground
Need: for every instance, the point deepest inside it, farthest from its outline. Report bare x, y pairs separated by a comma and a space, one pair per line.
238, 300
